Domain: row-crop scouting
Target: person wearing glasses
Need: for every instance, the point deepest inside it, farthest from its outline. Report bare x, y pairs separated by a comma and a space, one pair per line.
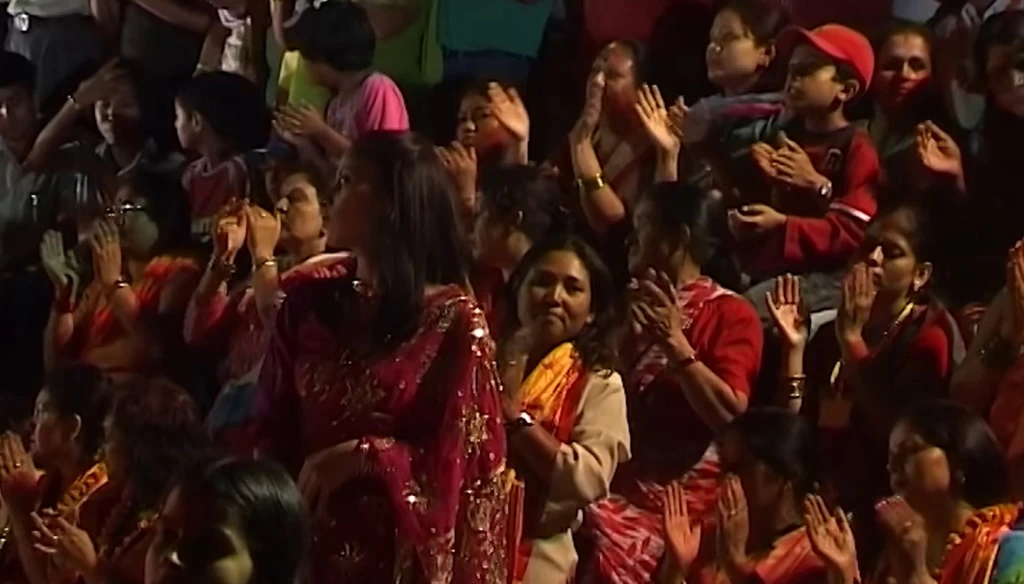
126, 317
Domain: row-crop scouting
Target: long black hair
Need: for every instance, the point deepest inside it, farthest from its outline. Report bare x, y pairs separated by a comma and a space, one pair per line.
416, 236
79, 389
267, 506
597, 344
975, 458
781, 440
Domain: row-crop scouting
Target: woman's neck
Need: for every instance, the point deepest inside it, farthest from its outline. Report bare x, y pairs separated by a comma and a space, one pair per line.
941, 521
518, 245
885, 310
765, 531
69, 469
688, 273
301, 251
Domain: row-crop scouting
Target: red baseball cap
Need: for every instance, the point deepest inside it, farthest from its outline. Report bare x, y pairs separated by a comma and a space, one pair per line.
841, 43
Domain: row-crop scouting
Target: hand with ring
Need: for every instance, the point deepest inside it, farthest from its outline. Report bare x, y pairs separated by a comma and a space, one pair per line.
18, 477
68, 545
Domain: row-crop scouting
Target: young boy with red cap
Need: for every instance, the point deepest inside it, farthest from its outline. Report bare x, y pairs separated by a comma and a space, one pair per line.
808, 212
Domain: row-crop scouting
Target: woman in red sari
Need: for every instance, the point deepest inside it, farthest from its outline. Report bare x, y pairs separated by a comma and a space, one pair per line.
380, 391
771, 457
127, 320
693, 354
66, 442
236, 324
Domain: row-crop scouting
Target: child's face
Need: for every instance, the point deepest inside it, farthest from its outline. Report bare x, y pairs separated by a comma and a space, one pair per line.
187, 127
477, 127
812, 85
117, 114
733, 56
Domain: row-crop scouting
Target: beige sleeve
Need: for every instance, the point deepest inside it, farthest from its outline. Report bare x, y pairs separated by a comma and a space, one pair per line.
599, 443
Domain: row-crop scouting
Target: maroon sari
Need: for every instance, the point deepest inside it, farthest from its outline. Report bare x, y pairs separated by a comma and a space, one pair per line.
432, 505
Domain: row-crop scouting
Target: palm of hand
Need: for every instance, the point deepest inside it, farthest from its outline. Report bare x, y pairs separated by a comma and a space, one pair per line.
683, 539
790, 325
940, 158
513, 116
660, 130
834, 546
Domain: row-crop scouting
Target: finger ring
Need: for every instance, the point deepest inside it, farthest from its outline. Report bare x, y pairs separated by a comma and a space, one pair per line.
54, 538
17, 465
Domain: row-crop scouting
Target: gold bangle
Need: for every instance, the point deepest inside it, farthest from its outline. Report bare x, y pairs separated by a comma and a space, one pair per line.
260, 264
796, 384
591, 185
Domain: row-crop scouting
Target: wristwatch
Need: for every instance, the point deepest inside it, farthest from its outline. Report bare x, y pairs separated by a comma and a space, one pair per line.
825, 189
523, 421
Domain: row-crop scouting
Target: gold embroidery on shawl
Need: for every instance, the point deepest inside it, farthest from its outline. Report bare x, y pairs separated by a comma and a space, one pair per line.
475, 430
484, 507
438, 558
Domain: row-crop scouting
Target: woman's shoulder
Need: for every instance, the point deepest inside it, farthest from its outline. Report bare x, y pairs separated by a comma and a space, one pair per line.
731, 308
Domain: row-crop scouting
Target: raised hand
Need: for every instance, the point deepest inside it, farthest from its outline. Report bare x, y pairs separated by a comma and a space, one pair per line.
831, 539
655, 312
100, 85
106, 253
682, 536
858, 295
462, 164
508, 108
302, 120
784, 308
1012, 328
938, 151
733, 526
263, 230
19, 478
229, 231
55, 260
650, 107
585, 126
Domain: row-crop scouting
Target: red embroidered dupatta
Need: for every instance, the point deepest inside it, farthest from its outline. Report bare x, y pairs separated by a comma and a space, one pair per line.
432, 507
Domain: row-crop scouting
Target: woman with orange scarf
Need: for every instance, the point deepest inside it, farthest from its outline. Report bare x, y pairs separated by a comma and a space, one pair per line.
68, 429
948, 523
564, 406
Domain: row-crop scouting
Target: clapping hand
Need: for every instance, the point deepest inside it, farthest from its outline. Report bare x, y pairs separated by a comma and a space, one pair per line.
650, 107
510, 111
263, 230
56, 263
1012, 328
754, 220
784, 308
733, 528
831, 539
792, 167
302, 120
654, 311
586, 124
858, 296
68, 545
461, 163
106, 253
908, 540
937, 151
682, 536
229, 231
18, 477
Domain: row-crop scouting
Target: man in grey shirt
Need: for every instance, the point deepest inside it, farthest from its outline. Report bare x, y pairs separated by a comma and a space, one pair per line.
61, 38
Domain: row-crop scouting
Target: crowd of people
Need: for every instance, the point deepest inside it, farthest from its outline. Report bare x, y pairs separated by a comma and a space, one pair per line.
368, 291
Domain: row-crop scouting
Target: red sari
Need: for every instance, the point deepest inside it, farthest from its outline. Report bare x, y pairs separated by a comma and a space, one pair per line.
790, 561
431, 507
232, 323
102, 341
670, 443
